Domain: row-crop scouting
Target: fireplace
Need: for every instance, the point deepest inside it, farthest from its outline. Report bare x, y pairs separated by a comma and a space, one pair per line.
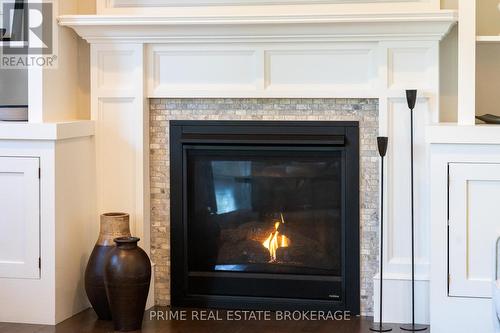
265, 215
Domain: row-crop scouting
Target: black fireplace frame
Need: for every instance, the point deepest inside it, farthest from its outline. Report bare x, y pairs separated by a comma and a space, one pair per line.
335, 135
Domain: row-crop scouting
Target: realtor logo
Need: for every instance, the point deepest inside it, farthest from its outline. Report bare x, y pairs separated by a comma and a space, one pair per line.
28, 34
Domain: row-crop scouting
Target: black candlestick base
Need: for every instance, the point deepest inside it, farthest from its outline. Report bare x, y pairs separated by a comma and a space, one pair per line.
414, 328
380, 328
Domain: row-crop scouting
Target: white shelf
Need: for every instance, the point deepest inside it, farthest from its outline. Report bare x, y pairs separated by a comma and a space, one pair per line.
488, 39
13, 44
451, 133
46, 131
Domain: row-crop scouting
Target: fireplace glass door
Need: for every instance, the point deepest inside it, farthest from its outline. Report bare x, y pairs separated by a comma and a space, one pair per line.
265, 215
264, 210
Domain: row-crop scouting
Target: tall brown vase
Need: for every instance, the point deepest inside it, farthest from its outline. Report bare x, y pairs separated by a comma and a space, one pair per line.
113, 225
127, 276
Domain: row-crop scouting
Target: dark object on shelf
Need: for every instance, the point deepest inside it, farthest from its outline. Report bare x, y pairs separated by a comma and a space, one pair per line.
489, 118
127, 276
112, 225
19, 23
411, 98
16, 30
382, 150
13, 113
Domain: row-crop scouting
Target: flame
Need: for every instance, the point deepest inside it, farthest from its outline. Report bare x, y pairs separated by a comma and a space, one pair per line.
275, 240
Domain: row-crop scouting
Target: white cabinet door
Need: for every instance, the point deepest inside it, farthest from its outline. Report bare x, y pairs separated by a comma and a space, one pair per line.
19, 217
474, 225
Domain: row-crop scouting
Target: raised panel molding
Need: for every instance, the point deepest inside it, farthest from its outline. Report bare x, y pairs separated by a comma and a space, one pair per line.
114, 68
325, 69
20, 218
398, 231
174, 71
287, 70
474, 228
410, 67
116, 140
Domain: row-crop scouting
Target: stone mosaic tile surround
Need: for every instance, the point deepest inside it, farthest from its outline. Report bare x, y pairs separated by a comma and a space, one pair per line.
163, 110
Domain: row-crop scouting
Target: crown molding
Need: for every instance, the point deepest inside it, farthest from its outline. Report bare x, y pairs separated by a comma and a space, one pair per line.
183, 3
428, 25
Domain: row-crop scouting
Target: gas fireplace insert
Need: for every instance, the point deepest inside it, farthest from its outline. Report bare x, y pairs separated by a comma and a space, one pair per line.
265, 215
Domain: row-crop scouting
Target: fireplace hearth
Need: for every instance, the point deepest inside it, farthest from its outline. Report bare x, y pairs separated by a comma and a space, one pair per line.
265, 215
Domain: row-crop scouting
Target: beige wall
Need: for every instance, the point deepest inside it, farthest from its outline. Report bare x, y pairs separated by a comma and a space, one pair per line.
488, 79
66, 89
487, 59
59, 85
448, 59
488, 17
84, 7
448, 83
449, 4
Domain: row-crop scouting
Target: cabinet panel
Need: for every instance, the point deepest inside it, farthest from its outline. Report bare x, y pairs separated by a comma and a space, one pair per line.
19, 218
474, 192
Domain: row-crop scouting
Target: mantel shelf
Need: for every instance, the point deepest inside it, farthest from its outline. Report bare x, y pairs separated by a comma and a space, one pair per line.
428, 25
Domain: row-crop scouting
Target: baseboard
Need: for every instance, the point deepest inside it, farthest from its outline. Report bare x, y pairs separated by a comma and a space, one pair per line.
397, 301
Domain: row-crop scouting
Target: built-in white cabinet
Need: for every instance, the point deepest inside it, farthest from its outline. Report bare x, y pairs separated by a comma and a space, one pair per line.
474, 225
20, 217
465, 221
47, 212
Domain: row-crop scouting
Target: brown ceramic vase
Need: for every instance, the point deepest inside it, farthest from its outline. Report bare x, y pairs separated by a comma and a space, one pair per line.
127, 276
113, 225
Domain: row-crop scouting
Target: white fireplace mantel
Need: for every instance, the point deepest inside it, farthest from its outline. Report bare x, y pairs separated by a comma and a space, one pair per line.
362, 55
427, 25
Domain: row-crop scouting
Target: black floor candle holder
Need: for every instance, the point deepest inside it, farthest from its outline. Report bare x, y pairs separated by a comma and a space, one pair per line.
411, 98
382, 149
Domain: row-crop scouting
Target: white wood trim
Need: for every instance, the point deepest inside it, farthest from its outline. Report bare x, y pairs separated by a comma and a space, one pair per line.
428, 25
397, 296
186, 3
209, 7
459, 134
467, 62
46, 131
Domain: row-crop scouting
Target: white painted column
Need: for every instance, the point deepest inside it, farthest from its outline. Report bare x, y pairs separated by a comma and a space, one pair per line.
406, 65
467, 62
120, 111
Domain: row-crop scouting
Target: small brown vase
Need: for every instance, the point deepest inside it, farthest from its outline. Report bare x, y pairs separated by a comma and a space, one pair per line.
127, 276
113, 225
